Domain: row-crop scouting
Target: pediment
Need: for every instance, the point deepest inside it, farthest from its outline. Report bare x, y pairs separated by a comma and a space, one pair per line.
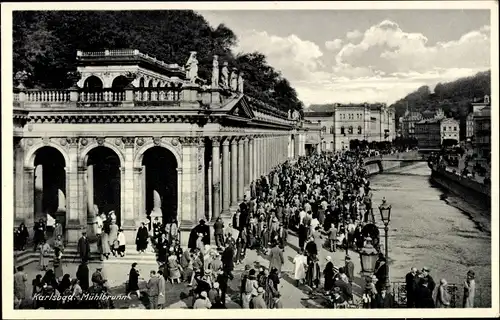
239, 107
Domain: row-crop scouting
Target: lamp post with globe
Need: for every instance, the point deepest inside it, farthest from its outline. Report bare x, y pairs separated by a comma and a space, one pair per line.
385, 214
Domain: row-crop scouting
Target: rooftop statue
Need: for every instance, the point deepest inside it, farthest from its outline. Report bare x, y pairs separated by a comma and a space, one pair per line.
224, 81
215, 72
234, 80
240, 82
192, 67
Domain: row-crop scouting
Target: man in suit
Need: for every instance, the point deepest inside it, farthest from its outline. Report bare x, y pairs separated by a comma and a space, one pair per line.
276, 259
219, 232
84, 247
411, 286
384, 299
153, 290
349, 269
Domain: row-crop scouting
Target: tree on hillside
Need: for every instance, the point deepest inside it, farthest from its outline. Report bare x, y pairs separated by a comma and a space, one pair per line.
45, 45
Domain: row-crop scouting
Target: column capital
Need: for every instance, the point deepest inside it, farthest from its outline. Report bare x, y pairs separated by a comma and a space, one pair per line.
251, 138
190, 141
225, 141
216, 139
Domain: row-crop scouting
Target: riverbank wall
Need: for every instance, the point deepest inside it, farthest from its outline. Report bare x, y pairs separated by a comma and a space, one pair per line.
472, 191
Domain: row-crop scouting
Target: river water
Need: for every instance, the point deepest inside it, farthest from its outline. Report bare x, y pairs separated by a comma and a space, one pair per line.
427, 231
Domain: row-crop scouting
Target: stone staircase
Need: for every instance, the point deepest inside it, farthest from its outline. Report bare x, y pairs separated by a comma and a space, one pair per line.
70, 254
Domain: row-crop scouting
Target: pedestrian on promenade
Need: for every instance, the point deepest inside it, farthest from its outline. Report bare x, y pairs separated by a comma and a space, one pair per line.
469, 290
133, 280
258, 299
153, 290
383, 299
328, 274
141, 240
442, 295
423, 295
426, 276
82, 274
20, 279
276, 259
161, 290
219, 232
84, 247
300, 261
121, 242
411, 286
349, 269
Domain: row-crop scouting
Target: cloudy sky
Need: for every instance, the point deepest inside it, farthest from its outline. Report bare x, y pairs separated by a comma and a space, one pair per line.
363, 55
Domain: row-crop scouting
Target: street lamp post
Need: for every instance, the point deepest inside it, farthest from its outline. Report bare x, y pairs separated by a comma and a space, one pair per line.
385, 214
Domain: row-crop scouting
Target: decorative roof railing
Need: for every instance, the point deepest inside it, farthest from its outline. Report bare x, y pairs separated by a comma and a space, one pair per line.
126, 53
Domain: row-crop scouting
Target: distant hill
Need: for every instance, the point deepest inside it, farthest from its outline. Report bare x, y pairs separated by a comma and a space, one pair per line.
453, 97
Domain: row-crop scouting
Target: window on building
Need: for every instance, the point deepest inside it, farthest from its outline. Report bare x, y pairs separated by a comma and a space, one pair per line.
454, 128
342, 130
360, 130
332, 130
351, 130
444, 128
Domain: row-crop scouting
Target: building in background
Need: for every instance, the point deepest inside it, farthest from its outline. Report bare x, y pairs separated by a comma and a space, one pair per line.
408, 123
428, 134
469, 126
342, 123
482, 127
450, 129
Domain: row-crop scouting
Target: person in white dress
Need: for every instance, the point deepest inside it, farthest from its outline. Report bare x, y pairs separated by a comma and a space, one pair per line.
121, 243
300, 262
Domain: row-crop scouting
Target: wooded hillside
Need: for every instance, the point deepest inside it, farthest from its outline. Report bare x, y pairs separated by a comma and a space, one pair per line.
45, 45
453, 97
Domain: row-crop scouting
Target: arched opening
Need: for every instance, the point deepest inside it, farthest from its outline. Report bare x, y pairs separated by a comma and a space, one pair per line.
151, 84
50, 185
141, 83
103, 183
160, 166
119, 83
93, 84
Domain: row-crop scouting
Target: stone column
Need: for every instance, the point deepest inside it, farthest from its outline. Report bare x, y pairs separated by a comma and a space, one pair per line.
250, 159
246, 161
18, 184
28, 195
130, 221
226, 184
241, 169
189, 189
257, 156
215, 178
234, 172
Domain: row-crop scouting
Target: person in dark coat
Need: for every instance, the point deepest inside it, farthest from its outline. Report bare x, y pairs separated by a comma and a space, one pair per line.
411, 286
381, 274
84, 247
162, 247
22, 236
328, 273
219, 232
141, 240
345, 289
349, 269
200, 228
423, 295
39, 228
427, 277
133, 280
223, 279
383, 299
82, 274
228, 260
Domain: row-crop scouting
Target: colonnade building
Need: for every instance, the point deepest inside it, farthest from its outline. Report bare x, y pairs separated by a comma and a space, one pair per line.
140, 137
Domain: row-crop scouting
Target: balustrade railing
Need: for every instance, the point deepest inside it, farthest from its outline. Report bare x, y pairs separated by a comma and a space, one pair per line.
102, 96
157, 94
47, 96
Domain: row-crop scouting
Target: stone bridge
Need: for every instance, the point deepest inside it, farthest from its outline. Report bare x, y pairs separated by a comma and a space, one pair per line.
389, 161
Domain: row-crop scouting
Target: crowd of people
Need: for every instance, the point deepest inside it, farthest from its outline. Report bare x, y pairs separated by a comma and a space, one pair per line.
325, 199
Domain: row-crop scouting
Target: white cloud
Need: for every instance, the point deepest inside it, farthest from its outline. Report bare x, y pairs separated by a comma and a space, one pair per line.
295, 57
353, 35
384, 65
333, 45
387, 47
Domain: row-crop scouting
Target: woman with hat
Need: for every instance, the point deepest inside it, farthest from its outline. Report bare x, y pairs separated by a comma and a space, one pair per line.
121, 242
469, 290
174, 272
442, 295
202, 302
271, 288
258, 299
337, 299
